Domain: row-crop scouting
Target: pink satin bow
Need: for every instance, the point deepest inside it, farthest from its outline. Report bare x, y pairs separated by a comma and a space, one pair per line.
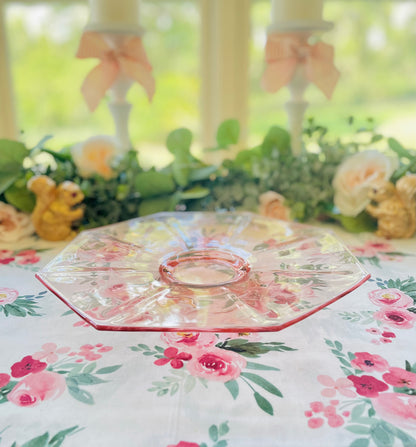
128, 59
285, 51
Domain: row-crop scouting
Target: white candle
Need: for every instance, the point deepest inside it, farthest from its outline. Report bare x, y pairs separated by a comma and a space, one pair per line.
114, 16
296, 11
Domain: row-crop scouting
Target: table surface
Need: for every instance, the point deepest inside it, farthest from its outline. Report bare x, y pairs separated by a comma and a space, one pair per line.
345, 376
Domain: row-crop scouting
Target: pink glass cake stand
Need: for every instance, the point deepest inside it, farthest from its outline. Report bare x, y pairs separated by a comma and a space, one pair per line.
200, 271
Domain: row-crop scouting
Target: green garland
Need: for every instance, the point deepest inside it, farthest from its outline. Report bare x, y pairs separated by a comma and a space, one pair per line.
190, 184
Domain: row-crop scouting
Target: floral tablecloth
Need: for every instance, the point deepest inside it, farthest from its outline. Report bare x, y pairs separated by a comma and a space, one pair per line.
345, 376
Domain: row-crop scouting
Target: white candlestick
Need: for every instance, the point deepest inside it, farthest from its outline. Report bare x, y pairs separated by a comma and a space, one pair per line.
296, 11
114, 16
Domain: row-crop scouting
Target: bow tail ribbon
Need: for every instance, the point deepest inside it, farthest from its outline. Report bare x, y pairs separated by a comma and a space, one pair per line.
278, 74
128, 59
320, 68
282, 58
140, 73
97, 82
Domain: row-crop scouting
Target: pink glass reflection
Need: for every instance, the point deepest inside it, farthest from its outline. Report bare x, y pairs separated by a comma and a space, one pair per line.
197, 271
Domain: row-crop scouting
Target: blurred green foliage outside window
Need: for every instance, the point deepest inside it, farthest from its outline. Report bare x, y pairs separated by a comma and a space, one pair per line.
374, 45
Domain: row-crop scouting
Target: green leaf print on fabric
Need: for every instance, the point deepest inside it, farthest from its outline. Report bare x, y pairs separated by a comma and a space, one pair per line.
45, 440
205, 357
253, 349
14, 305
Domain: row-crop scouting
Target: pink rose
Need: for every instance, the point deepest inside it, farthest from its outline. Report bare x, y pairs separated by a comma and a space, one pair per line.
390, 297
396, 408
26, 366
35, 388
216, 364
8, 296
396, 317
189, 340
272, 205
94, 156
399, 377
356, 175
368, 386
369, 362
14, 225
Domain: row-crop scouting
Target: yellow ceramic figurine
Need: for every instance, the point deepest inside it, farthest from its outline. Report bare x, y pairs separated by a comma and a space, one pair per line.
395, 207
54, 212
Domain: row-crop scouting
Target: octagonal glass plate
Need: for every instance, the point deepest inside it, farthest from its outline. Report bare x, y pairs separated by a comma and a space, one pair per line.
200, 271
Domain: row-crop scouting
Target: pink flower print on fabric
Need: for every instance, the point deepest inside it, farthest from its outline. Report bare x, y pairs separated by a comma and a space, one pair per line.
387, 334
6, 257
106, 250
26, 366
390, 297
317, 407
35, 388
115, 290
396, 317
396, 408
369, 362
88, 351
27, 257
50, 352
184, 444
81, 323
216, 364
282, 294
341, 385
174, 357
7, 295
4, 379
329, 412
374, 331
189, 340
315, 422
399, 377
368, 386
255, 295
371, 249
335, 420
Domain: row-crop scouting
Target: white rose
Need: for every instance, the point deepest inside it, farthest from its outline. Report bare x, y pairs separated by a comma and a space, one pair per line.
356, 175
14, 225
94, 155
